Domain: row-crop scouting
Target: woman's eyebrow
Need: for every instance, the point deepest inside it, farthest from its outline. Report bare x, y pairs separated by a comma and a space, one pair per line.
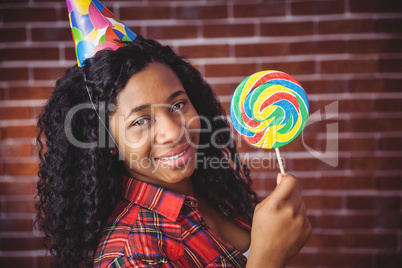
174, 95
145, 106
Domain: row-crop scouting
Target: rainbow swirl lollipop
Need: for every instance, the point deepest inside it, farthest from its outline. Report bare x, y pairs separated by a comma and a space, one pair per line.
269, 109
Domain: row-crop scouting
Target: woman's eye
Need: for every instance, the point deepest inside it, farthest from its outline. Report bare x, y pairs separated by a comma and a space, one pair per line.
141, 122
178, 106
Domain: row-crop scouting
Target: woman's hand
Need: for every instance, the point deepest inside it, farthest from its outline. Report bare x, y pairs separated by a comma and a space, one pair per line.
280, 226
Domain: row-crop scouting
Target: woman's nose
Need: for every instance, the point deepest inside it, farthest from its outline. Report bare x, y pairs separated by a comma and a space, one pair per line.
169, 129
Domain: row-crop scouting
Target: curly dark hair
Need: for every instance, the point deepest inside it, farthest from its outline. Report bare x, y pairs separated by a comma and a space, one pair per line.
78, 188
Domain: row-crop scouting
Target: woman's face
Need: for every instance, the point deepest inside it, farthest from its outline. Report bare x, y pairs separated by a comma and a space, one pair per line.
156, 127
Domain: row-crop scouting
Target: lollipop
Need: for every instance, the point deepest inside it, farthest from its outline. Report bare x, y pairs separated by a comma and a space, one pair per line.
269, 109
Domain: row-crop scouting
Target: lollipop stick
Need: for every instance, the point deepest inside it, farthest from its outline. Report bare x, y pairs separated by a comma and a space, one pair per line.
278, 155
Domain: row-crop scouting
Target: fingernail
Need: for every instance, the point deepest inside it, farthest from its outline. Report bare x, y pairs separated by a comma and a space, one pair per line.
279, 178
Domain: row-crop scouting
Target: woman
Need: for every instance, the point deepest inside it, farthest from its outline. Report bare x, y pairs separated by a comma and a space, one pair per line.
150, 196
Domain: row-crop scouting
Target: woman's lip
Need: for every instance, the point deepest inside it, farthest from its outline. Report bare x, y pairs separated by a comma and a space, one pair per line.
176, 162
174, 152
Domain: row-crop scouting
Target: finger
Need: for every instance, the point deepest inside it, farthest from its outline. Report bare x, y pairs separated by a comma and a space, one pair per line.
284, 189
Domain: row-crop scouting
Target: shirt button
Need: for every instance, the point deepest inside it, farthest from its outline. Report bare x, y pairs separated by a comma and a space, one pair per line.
191, 203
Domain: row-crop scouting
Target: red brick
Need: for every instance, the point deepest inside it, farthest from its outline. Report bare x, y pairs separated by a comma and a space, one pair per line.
18, 244
376, 163
16, 262
23, 169
374, 85
317, 164
361, 144
17, 188
2, 171
317, 7
20, 207
16, 150
16, 225
30, 54
347, 182
29, 14
227, 70
390, 65
375, 46
324, 241
348, 221
252, 10
172, 32
367, 6
286, 29
20, 132
202, 12
292, 68
44, 261
35, 111
22, 93
48, 73
204, 51
391, 144
322, 202
228, 30
261, 50
314, 220
12, 34
373, 202
355, 106
7, 113
389, 183
51, 34
337, 259
389, 259
324, 86
374, 124
390, 219
346, 26
144, 12
13, 74
224, 89
388, 25
347, 66
302, 259
345, 105
351, 240
69, 53
318, 47
307, 183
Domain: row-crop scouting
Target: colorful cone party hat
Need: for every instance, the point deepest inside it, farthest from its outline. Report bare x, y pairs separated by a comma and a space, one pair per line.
95, 28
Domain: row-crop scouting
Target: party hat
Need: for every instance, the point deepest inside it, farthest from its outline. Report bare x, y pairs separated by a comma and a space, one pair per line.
95, 28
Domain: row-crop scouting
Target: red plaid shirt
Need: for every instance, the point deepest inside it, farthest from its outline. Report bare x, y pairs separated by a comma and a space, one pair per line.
154, 227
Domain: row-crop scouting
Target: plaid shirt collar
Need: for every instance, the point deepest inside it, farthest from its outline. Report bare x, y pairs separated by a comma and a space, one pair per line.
164, 202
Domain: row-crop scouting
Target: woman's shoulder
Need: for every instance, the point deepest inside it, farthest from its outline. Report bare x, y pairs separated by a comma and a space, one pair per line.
116, 233
135, 232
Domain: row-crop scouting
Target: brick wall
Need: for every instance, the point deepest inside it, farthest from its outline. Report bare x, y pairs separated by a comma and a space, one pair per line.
347, 54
